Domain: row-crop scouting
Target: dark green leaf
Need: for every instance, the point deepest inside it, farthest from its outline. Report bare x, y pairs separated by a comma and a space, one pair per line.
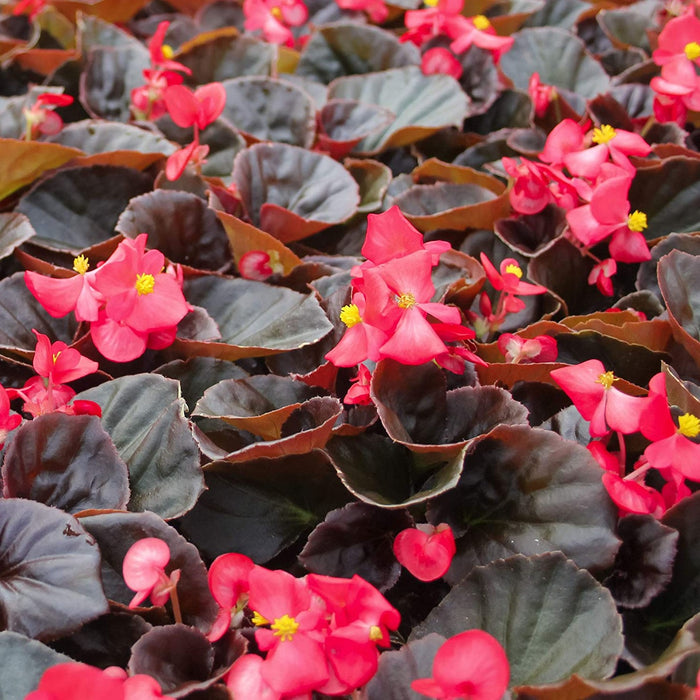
552, 619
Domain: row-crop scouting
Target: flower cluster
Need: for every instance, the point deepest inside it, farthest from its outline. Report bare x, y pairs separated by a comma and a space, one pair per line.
131, 301
147, 101
678, 87
445, 18
392, 314
318, 633
274, 18
674, 451
588, 174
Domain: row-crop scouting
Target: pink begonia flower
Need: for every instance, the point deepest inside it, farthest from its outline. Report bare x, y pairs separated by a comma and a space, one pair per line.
425, 550
358, 393
260, 264
8, 421
440, 60
440, 18
509, 277
517, 350
679, 38
147, 101
674, 443
601, 275
469, 665
376, 9
40, 117
478, 31
679, 81
144, 571
274, 17
540, 94
228, 583
608, 214
58, 363
162, 54
141, 300
633, 497
197, 108
60, 296
192, 153
246, 682
29, 7
590, 387
565, 138
296, 660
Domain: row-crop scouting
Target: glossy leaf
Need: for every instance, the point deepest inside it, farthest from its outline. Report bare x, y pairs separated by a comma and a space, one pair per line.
255, 319
144, 416
68, 462
46, 549
292, 193
528, 491
15, 229
66, 214
552, 618
260, 507
423, 104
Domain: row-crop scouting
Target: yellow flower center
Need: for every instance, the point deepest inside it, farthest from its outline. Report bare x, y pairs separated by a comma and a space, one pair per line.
375, 633
688, 425
276, 13
167, 51
692, 50
81, 264
58, 354
604, 134
430, 3
514, 270
406, 300
481, 23
145, 284
259, 620
285, 628
350, 315
637, 221
606, 379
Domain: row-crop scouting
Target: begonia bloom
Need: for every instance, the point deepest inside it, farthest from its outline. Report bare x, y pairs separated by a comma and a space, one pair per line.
161, 54
440, 60
679, 38
144, 571
508, 277
633, 497
442, 17
425, 550
358, 393
8, 421
376, 9
59, 363
601, 275
469, 665
274, 17
40, 117
228, 583
197, 108
590, 387
518, 350
477, 31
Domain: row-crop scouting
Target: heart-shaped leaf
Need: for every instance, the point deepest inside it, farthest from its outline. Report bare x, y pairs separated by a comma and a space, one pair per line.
270, 110
15, 229
144, 416
68, 462
527, 491
46, 549
116, 533
559, 57
353, 49
291, 192
254, 319
423, 104
552, 619
180, 225
65, 212
260, 507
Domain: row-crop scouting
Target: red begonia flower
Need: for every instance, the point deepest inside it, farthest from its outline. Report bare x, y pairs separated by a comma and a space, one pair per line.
519, 350
76, 681
8, 421
440, 60
274, 17
591, 389
426, 550
59, 363
246, 682
40, 117
199, 108
679, 38
469, 665
144, 571
376, 9
633, 497
540, 94
478, 31
508, 279
601, 275
228, 583
358, 393
161, 54
432, 21
565, 138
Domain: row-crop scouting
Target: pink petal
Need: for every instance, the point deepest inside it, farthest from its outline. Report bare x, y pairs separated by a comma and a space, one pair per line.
57, 296
414, 342
144, 563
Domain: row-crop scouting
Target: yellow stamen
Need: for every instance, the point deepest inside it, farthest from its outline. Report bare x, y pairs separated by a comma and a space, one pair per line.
145, 284
259, 620
637, 221
350, 315
430, 3
285, 628
406, 300
692, 50
688, 425
606, 379
57, 355
167, 51
481, 23
514, 270
81, 264
604, 134
276, 13
375, 633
